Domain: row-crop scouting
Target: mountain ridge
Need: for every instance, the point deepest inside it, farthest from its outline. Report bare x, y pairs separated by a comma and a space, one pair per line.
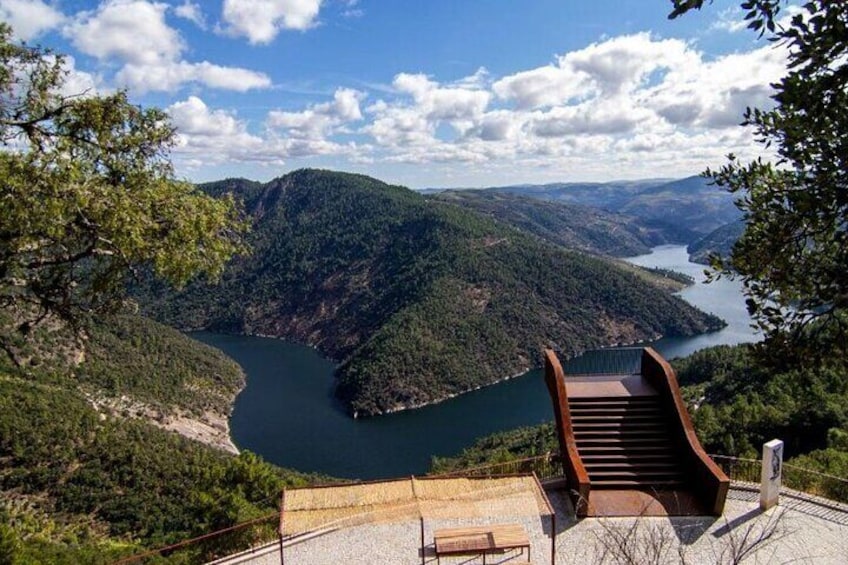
684, 210
418, 300
576, 226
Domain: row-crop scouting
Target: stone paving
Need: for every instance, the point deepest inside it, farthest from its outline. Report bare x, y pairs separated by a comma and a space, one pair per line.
802, 529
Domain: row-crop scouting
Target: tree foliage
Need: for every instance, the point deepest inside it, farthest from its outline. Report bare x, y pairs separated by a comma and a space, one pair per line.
793, 256
96, 485
88, 195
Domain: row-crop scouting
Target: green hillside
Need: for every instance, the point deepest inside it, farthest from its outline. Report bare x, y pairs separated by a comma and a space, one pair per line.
417, 299
570, 225
719, 241
172, 372
83, 480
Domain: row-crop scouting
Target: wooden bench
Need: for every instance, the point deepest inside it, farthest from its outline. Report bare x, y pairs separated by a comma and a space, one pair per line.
480, 540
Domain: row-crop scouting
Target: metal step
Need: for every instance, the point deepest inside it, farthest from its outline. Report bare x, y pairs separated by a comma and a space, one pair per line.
620, 425
638, 449
638, 468
626, 443
629, 456
626, 474
618, 399
631, 484
658, 433
622, 416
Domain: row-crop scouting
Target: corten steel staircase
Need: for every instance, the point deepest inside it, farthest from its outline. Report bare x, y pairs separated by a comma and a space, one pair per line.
627, 443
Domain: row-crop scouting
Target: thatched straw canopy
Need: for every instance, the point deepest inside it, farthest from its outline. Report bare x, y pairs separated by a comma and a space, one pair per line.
315, 508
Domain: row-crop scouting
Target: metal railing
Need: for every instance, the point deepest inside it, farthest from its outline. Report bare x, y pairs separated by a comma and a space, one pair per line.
739, 469
212, 545
812, 482
545, 466
548, 466
611, 361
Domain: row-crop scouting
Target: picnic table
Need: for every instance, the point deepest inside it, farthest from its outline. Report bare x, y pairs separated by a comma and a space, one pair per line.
481, 540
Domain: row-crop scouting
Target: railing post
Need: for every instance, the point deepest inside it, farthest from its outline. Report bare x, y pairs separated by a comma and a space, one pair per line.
282, 527
770, 473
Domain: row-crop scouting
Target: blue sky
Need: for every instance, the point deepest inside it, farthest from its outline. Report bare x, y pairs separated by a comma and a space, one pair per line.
423, 93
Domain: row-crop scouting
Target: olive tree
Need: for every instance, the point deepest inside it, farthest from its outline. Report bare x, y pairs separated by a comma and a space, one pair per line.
88, 196
793, 255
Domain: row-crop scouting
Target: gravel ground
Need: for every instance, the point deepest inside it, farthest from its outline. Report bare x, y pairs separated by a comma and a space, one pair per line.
800, 530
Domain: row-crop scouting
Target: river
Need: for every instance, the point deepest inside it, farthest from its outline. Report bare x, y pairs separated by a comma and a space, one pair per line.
287, 412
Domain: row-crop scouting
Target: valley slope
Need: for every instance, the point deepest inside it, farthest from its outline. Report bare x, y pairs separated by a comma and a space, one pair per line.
417, 299
579, 227
90, 469
718, 242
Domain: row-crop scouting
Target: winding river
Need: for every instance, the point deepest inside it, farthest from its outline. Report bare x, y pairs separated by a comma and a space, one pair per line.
287, 412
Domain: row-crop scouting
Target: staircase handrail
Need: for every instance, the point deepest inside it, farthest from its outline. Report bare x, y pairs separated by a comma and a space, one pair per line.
710, 480
573, 467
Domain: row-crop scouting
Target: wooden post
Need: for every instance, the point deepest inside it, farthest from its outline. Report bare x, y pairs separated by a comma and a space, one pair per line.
423, 558
420, 515
282, 524
553, 539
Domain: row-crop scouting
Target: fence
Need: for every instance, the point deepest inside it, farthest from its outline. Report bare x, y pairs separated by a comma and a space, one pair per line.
813, 482
793, 477
212, 545
545, 466
611, 361
548, 466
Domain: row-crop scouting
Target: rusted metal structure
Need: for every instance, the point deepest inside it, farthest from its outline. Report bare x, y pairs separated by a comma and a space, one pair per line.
627, 443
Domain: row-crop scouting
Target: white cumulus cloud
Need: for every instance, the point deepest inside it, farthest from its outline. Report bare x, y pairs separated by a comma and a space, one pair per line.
714, 94
626, 106
135, 34
610, 67
544, 86
133, 31
79, 83
619, 101
29, 18
192, 12
214, 135
211, 136
261, 20
442, 103
319, 120
171, 75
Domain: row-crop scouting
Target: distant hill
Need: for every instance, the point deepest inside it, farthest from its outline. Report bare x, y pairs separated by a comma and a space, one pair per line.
605, 195
417, 299
689, 204
682, 210
719, 242
570, 225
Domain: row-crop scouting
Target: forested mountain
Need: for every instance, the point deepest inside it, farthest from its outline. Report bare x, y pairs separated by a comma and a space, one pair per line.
682, 210
417, 299
87, 474
575, 226
719, 241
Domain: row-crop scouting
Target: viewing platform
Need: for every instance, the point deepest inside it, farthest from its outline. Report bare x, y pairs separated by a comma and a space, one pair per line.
631, 484
804, 529
627, 443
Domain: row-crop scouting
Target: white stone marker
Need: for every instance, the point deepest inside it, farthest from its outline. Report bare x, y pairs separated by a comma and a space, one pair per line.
770, 474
